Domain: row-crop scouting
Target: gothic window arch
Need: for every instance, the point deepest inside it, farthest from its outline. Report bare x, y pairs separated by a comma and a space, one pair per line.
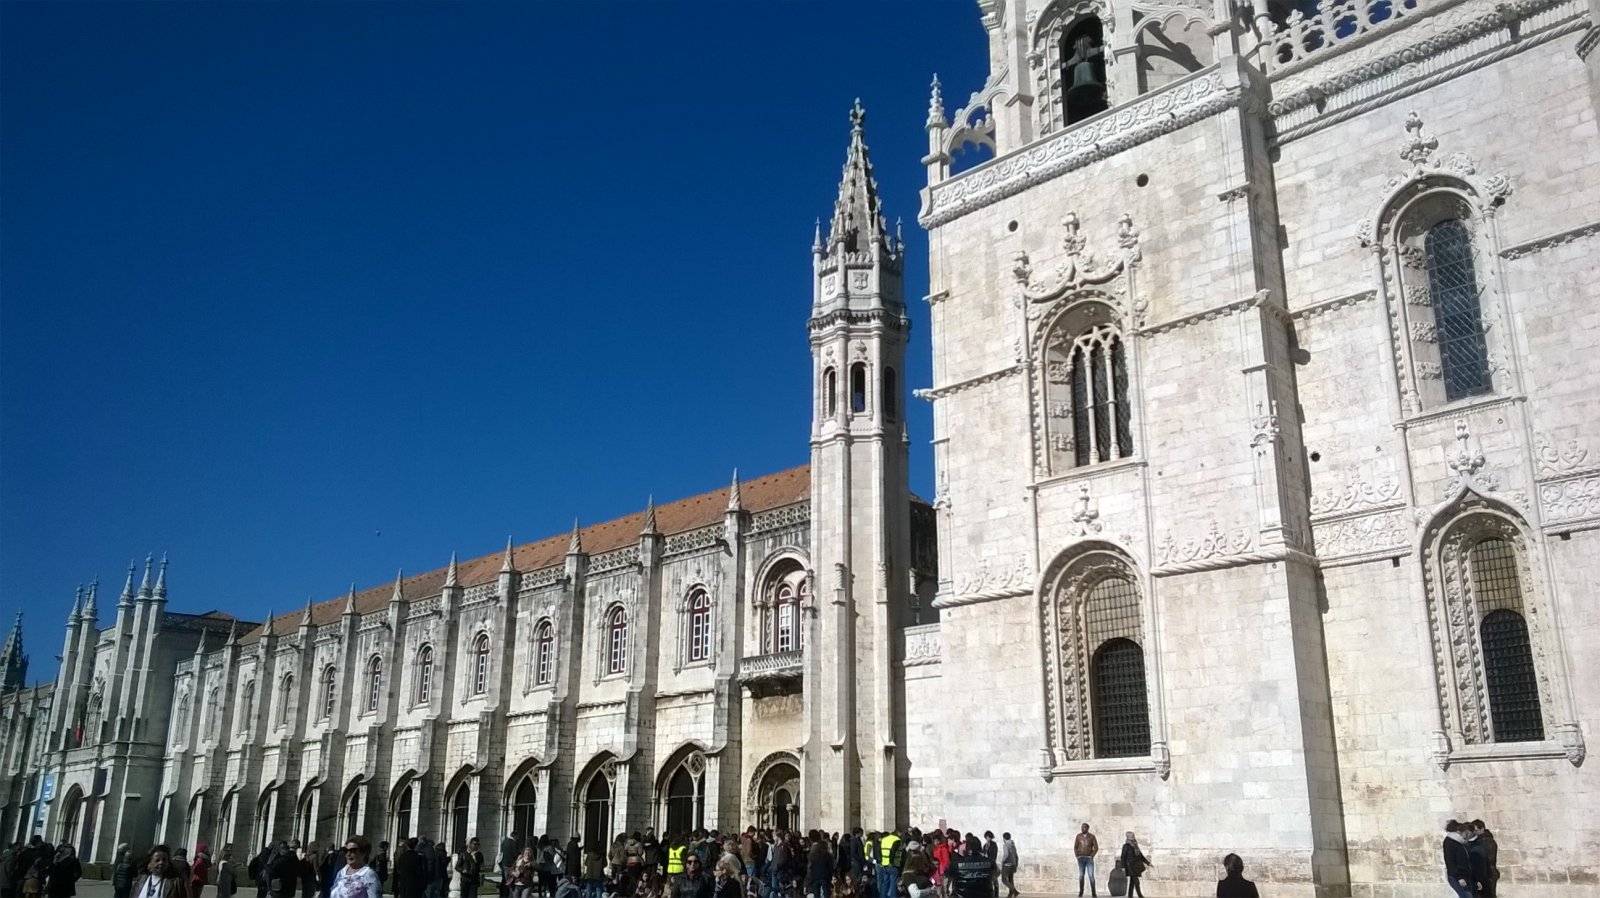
616, 640
544, 653
374, 683
1434, 237
1088, 412
213, 711
784, 595
285, 697
1483, 602
830, 393
247, 707
424, 688
330, 690
858, 388
180, 720
1095, 658
697, 634
480, 664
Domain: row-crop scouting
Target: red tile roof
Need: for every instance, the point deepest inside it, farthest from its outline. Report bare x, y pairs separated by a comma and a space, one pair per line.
760, 494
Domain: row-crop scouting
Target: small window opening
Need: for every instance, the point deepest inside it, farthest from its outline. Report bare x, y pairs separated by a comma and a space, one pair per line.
830, 389
890, 391
1083, 71
858, 387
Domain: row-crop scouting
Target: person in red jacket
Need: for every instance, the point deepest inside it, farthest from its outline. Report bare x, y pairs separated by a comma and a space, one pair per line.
200, 870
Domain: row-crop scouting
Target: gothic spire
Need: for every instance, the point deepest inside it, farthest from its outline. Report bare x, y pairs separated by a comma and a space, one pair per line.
451, 577
127, 588
399, 594
91, 606
13, 664
77, 605
233, 632
267, 628
575, 545
350, 600
161, 578
14, 638
508, 565
305, 620
857, 223
735, 499
649, 528
149, 568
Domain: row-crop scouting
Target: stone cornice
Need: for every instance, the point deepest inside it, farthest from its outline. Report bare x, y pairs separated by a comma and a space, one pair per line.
1590, 40
1549, 241
961, 386
1145, 118
1317, 309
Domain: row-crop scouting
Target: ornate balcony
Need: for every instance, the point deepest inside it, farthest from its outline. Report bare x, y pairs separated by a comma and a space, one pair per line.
777, 673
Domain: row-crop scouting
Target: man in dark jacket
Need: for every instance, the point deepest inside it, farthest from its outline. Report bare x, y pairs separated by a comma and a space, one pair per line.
410, 872
1457, 860
1133, 864
282, 872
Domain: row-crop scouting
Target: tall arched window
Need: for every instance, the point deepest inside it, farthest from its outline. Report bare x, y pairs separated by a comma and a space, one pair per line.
858, 388
1095, 657
180, 721
544, 654
1512, 685
699, 626
461, 816
213, 712
616, 640
374, 683
247, 707
891, 394
524, 806
425, 674
330, 684
285, 698
403, 811
784, 596
597, 810
830, 393
1457, 310
1087, 413
480, 664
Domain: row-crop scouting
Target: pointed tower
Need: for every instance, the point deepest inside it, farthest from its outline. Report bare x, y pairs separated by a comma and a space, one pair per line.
860, 512
13, 664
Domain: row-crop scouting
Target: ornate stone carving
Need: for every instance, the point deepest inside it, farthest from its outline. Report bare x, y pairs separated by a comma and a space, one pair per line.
1465, 461
1553, 459
1214, 543
1361, 535
1552, 241
1358, 492
997, 574
1086, 513
922, 645
1077, 268
1570, 500
1265, 433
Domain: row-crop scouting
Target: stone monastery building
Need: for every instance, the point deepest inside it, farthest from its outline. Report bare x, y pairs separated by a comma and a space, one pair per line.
1268, 510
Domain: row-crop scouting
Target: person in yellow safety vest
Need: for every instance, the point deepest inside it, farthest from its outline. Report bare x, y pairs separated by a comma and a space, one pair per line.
675, 858
891, 857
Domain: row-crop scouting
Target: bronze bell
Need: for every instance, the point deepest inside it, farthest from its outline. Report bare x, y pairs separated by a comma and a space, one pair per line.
1087, 88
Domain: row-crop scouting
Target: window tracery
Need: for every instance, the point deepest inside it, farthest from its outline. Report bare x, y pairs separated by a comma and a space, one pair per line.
285, 696
374, 683
616, 658
1097, 692
1088, 417
480, 664
544, 652
698, 626
784, 596
330, 679
424, 674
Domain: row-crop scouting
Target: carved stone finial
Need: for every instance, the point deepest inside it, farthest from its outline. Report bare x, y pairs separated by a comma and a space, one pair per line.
735, 497
817, 245
1021, 268
1087, 513
508, 565
1072, 242
649, 528
1418, 147
1464, 461
452, 574
936, 117
305, 619
128, 588
858, 116
149, 571
575, 544
161, 578
350, 600
399, 593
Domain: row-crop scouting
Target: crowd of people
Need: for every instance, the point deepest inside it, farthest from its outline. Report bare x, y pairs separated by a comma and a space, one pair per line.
758, 863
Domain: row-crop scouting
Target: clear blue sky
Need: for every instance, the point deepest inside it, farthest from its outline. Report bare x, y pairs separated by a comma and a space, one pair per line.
304, 293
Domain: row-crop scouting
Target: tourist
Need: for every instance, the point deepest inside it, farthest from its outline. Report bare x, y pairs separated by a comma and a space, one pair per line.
1490, 850
281, 871
180, 867
227, 874
258, 870
410, 870
356, 879
574, 858
453, 886
123, 873
1008, 864
470, 865
891, 857
159, 880
991, 850
652, 859
380, 864
1133, 863
520, 874
970, 876
200, 873
551, 865
694, 883
1234, 885
728, 875
508, 855
617, 856
65, 871
1085, 846
33, 874
819, 868
1457, 860
594, 871
442, 869
328, 871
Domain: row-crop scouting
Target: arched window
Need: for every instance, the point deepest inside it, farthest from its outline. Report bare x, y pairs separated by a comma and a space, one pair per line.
1083, 71
1457, 310
783, 598
461, 816
330, 683
180, 721
544, 654
1095, 639
285, 697
247, 707
891, 394
1088, 416
374, 683
830, 393
616, 640
686, 796
523, 807
1512, 684
403, 811
425, 674
480, 664
1483, 608
597, 810
699, 626
858, 388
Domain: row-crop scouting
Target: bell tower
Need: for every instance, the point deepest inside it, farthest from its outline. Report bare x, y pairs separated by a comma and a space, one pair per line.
860, 508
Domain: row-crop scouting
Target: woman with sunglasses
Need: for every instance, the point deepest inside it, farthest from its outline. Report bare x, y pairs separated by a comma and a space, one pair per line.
355, 879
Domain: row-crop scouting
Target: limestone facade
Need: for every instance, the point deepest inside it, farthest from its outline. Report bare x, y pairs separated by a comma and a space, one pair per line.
1268, 389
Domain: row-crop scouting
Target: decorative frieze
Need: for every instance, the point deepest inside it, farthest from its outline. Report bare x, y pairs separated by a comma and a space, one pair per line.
922, 645
692, 540
780, 518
